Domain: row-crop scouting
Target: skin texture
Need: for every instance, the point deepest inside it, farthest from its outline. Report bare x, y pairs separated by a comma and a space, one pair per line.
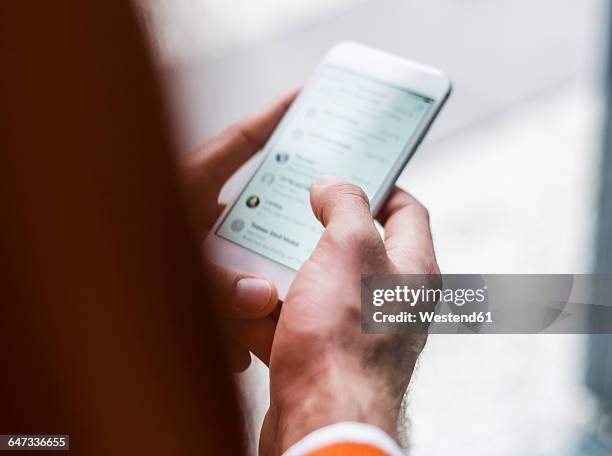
322, 368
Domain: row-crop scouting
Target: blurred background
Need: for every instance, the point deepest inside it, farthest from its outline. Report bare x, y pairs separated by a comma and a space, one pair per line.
510, 174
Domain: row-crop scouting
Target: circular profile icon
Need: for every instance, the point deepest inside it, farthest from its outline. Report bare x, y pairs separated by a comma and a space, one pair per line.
282, 157
253, 201
237, 225
267, 178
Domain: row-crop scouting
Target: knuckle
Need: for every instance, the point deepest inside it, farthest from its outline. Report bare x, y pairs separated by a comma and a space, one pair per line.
353, 238
364, 237
420, 210
236, 132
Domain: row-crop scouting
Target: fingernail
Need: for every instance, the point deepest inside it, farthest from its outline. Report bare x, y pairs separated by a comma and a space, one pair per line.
323, 181
252, 294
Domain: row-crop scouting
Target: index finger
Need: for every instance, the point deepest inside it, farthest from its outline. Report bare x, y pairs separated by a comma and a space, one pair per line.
407, 233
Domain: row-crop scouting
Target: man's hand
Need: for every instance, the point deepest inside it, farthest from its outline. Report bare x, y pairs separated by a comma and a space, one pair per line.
323, 369
206, 170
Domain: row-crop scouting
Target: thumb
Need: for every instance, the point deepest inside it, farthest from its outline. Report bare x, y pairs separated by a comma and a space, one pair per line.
247, 296
344, 211
335, 202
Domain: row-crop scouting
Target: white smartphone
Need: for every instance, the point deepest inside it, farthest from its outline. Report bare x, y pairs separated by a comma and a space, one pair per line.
360, 117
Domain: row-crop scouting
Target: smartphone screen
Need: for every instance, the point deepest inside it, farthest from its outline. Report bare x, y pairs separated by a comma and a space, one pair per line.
345, 125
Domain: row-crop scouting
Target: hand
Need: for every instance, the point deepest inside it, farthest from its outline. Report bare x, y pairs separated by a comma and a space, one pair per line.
247, 297
323, 369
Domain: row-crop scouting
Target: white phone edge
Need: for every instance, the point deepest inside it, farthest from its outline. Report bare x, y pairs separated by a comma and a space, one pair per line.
370, 62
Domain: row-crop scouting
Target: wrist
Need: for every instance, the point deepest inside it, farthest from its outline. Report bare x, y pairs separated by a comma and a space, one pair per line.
338, 390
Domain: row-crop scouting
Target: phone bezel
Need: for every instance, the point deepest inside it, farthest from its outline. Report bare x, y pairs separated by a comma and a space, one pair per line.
370, 63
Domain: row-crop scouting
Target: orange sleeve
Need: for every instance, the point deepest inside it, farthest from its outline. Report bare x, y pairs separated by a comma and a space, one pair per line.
348, 449
346, 438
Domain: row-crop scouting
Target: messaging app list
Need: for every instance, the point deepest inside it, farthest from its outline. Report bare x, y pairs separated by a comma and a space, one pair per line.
348, 126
